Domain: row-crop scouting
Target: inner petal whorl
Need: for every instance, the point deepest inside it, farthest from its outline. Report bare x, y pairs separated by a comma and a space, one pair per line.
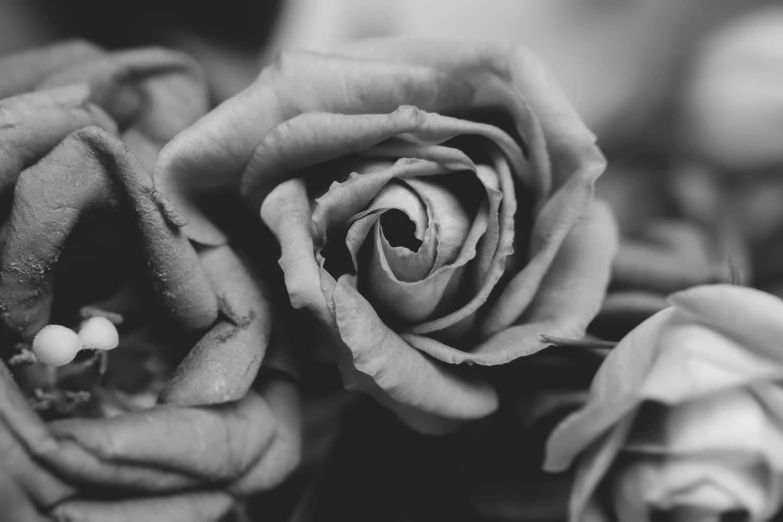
399, 230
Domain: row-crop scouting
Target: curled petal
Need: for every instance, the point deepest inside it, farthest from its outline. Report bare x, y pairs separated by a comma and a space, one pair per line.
224, 363
89, 171
32, 124
287, 213
570, 294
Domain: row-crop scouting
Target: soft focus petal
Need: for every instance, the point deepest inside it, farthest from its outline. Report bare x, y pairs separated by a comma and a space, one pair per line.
695, 361
749, 316
570, 294
714, 486
613, 394
23, 72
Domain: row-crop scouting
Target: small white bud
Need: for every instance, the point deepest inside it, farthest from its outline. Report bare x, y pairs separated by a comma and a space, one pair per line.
56, 345
98, 333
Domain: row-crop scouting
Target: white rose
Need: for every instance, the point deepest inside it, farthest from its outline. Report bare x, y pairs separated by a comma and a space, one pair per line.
684, 416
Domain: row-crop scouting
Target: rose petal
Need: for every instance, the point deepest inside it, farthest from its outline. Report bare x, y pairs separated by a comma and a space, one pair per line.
200, 506
728, 422
493, 243
666, 483
92, 170
224, 363
209, 158
287, 213
694, 361
410, 302
345, 200
406, 375
570, 296
593, 466
148, 86
23, 72
32, 124
613, 393
329, 136
645, 364
750, 316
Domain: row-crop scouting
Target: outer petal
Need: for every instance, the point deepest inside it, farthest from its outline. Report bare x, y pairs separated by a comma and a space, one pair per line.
671, 359
23, 72
750, 316
613, 394
32, 124
406, 375
570, 294
210, 157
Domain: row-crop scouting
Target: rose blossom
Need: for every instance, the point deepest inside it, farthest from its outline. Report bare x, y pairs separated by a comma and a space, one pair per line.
433, 203
684, 415
174, 425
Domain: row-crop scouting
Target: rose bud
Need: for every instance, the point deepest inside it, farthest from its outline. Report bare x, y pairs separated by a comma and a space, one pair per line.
432, 202
161, 426
683, 418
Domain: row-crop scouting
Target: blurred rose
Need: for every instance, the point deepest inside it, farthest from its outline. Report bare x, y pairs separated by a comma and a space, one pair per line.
684, 415
733, 102
396, 225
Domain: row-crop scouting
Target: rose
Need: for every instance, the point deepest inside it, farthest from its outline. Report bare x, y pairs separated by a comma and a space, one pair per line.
87, 233
398, 177
684, 415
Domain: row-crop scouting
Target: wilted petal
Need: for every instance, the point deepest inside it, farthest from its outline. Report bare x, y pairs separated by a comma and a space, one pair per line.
49, 202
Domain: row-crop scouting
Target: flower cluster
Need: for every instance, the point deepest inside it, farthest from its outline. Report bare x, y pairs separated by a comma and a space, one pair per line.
386, 257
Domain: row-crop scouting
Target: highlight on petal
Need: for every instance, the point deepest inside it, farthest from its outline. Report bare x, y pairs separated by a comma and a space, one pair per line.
750, 316
210, 157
